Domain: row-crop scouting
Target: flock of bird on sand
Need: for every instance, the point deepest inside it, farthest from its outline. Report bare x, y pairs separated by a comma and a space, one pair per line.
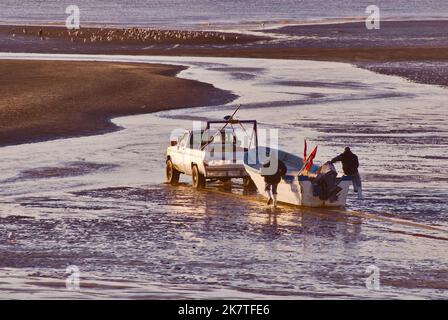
128, 34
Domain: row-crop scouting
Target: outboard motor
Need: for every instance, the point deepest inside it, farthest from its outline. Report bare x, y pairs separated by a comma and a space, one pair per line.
327, 183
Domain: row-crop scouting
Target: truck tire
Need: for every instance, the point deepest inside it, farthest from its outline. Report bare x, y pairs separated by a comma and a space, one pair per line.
198, 179
172, 175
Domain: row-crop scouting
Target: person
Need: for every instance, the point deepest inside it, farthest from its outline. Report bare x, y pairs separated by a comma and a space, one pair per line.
272, 180
326, 182
350, 165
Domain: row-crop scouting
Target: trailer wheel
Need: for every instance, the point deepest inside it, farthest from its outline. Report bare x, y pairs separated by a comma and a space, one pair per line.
198, 179
248, 183
172, 175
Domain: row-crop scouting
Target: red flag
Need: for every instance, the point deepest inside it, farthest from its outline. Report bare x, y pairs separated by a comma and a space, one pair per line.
310, 159
304, 151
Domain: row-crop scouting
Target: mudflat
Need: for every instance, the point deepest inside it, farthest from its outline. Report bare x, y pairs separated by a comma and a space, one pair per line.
41, 100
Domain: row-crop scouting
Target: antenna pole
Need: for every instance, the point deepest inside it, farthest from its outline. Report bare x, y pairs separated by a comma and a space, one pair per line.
227, 123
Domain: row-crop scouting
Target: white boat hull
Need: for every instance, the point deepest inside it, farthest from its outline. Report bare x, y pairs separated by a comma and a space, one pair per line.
298, 190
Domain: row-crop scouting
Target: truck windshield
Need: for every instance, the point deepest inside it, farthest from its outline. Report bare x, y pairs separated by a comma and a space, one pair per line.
183, 140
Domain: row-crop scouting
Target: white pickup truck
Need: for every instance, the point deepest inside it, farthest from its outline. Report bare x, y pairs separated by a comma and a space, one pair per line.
208, 155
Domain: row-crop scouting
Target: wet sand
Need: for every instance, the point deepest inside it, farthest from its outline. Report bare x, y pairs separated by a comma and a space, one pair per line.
45, 100
41, 100
99, 202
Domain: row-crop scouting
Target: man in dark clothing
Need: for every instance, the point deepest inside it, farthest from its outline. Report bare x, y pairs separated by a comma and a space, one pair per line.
272, 181
350, 165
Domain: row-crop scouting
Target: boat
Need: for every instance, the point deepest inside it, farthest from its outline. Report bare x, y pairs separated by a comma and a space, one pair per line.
300, 186
297, 187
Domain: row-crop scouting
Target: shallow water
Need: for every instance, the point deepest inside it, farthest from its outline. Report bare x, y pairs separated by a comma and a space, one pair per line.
182, 13
100, 203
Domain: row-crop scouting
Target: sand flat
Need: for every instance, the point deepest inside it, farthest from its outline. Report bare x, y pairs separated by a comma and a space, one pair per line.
40, 100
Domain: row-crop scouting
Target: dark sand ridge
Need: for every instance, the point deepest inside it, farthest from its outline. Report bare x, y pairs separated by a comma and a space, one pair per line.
42, 100
138, 37
345, 46
387, 51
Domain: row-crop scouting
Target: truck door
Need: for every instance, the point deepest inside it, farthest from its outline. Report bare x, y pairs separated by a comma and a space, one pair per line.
178, 155
189, 154
193, 152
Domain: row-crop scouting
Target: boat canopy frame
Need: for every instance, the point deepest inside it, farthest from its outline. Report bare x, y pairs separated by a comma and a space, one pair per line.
232, 122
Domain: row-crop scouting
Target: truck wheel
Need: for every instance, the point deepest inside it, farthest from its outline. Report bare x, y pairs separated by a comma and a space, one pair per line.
172, 175
198, 179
